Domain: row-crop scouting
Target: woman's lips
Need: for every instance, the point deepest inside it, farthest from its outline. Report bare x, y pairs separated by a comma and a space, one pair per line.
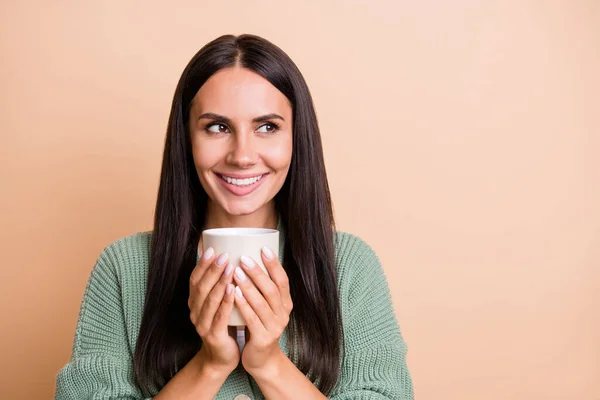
242, 190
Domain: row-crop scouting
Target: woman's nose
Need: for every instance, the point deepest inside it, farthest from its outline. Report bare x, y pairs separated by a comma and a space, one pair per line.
242, 154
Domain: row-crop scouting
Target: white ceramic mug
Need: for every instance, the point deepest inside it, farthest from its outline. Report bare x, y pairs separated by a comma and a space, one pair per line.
238, 242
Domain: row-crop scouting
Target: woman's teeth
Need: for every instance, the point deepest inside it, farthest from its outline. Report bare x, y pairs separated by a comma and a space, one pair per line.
241, 182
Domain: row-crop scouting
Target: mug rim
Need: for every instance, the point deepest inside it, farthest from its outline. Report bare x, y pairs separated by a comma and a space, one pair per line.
239, 231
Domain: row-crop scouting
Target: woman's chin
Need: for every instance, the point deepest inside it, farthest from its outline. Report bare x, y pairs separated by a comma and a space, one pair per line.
240, 210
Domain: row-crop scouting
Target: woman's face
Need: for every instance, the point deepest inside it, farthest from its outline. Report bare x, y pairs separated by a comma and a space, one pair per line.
241, 135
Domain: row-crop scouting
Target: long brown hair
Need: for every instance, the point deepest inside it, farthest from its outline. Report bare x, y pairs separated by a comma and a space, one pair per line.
167, 338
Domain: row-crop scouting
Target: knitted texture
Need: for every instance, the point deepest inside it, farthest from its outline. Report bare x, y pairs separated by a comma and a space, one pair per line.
100, 367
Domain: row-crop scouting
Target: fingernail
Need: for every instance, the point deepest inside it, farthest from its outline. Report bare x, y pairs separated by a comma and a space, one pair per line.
208, 254
247, 261
228, 270
240, 274
238, 292
222, 259
229, 289
268, 253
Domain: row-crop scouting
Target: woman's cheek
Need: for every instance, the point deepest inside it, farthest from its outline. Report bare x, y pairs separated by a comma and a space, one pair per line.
207, 155
278, 155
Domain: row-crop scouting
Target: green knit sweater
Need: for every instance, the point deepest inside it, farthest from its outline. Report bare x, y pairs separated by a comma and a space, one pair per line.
100, 367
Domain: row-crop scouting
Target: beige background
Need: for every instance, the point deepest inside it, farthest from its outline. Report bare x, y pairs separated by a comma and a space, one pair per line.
462, 141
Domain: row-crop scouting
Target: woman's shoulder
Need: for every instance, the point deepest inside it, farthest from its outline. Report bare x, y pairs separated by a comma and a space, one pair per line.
133, 246
360, 275
126, 259
120, 273
349, 248
135, 243
354, 257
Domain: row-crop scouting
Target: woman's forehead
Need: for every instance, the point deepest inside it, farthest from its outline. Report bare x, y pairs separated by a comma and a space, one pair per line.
240, 93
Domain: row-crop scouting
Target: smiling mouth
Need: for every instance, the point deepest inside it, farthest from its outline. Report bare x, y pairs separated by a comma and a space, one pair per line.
241, 182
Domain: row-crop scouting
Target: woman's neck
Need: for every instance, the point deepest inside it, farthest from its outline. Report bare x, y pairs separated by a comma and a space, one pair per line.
265, 217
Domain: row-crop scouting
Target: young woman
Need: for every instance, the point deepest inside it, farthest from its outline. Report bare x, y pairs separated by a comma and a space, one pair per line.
243, 149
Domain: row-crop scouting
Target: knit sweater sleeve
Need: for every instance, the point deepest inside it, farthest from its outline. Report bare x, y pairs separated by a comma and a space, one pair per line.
374, 366
100, 366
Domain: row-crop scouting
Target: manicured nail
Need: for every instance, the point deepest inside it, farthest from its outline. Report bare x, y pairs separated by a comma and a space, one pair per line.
222, 259
268, 253
240, 274
208, 254
238, 292
229, 289
228, 270
247, 261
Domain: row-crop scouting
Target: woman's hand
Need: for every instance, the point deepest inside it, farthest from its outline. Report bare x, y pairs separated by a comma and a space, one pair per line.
265, 303
210, 303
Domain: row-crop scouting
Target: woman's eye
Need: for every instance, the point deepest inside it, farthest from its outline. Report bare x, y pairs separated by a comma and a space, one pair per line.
267, 128
217, 128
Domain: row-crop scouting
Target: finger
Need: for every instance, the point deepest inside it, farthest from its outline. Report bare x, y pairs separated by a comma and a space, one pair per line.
221, 320
252, 320
265, 285
211, 277
256, 300
215, 298
203, 264
278, 276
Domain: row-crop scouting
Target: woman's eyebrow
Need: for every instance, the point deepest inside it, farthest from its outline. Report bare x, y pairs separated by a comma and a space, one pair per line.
267, 117
215, 117
223, 118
